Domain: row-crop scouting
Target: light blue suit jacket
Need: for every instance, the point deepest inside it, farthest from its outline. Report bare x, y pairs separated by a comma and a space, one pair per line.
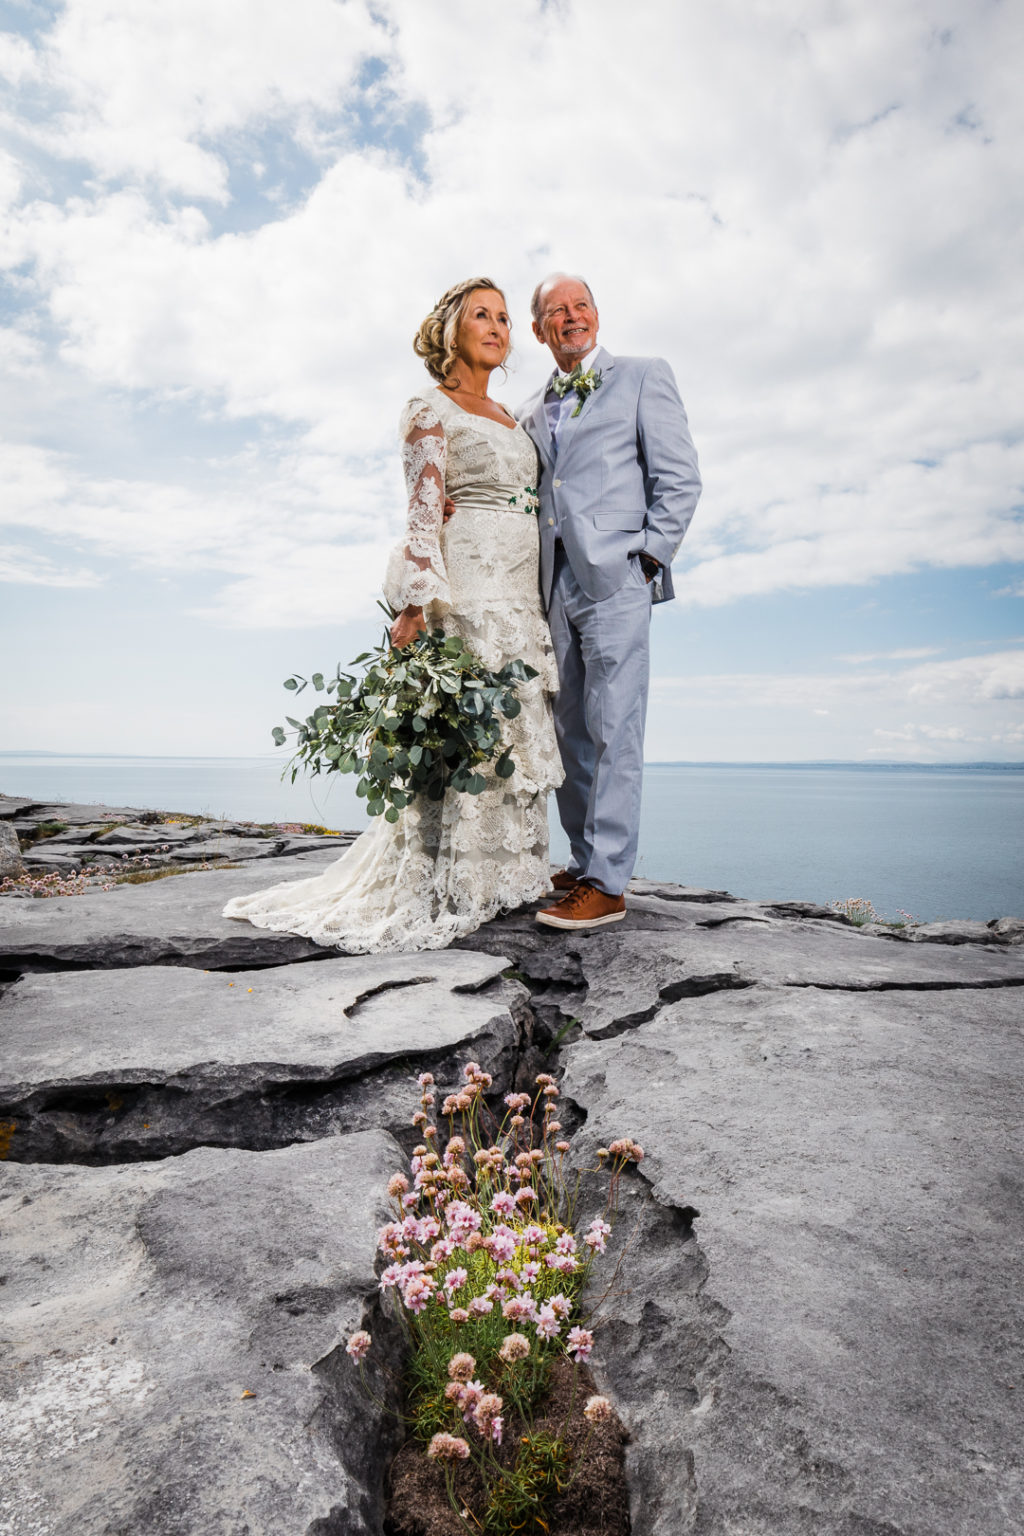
624, 479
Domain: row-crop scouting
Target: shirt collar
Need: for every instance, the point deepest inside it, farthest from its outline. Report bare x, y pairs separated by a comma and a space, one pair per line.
584, 363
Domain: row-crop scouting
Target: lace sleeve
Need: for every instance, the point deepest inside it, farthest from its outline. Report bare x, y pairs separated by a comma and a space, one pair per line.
416, 571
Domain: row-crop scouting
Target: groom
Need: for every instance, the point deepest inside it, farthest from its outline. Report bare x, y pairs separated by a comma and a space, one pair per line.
618, 487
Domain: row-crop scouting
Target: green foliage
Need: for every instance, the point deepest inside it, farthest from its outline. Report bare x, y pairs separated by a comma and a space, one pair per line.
40, 832
520, 1495
418, 721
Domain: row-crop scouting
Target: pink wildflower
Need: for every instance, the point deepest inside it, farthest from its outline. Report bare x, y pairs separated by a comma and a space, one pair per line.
461, 1367
563, 1262
547, 1324
462, 1220
503, 1204
526, 1194
479, 1306
534, 1235
458, 1314
426, 1079
442, 1249
486, 1411
519, 1309
515, 1347
530, 1271
561, 1306
397, 1185
596, 1237
517, 1100
597, 1409
455, 1279
566, 1243
501, 1245
358, 1344
444, 1447
418, 1292
580, 1343
389, 1240
472, 1392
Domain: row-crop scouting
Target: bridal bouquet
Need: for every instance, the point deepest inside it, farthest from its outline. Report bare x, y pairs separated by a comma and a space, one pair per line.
416, 722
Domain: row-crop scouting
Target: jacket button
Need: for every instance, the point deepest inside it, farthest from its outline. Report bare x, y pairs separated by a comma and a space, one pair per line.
557, 484
551, 522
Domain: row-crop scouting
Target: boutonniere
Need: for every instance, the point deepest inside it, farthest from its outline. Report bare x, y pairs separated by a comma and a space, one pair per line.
583, 383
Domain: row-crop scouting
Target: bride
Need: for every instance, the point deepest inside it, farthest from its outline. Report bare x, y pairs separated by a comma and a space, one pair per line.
447, 866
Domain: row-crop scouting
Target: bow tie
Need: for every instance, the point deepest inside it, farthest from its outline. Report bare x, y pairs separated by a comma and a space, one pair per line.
563, 382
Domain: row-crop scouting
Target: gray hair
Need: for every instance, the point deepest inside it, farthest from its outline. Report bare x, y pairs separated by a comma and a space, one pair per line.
546, 282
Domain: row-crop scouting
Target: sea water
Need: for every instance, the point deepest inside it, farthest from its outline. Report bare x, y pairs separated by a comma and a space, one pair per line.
928, 841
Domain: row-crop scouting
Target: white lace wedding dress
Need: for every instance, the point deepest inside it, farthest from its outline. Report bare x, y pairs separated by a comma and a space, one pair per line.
446, 867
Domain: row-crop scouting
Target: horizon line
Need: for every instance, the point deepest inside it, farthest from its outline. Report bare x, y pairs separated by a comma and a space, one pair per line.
678, 762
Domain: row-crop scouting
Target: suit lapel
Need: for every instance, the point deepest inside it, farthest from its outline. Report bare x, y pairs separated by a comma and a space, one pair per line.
604, 362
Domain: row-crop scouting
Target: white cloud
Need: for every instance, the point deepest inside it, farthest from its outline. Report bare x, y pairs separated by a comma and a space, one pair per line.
845, 336
296, 544
812, 211
28, 568
912, 653
143, 88
965, 707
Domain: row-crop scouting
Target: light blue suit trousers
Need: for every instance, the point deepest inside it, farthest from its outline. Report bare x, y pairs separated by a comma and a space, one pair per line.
602, 649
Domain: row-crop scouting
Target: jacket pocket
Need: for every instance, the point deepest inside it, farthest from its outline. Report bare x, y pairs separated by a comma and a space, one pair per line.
629, 521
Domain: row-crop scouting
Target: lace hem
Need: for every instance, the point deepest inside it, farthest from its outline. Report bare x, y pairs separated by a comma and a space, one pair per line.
412, 885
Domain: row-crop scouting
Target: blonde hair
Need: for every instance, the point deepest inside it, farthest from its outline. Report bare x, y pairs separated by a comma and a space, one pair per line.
435, 340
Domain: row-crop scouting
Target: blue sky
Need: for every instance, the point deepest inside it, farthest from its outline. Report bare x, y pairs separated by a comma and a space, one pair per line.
220, 225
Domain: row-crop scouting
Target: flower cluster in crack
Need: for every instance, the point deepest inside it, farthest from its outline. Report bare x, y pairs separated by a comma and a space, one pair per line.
486, 1272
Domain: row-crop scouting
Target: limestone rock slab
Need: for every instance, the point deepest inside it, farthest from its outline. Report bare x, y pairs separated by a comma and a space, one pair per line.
175, 921
11, 862
173, 1335
628, 978
146, 1062
857, 1165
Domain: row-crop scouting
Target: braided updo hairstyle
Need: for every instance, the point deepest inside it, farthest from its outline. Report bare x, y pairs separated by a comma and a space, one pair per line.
435, 339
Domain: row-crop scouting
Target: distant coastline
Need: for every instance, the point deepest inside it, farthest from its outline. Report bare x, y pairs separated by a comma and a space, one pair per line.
695, 762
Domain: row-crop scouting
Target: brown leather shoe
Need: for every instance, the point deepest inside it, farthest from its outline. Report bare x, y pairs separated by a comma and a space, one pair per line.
564, 881
584, 907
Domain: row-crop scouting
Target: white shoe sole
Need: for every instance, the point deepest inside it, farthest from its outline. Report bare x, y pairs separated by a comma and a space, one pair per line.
551, 921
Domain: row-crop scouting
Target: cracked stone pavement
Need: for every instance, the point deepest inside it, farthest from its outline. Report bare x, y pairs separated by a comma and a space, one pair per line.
813, 1323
